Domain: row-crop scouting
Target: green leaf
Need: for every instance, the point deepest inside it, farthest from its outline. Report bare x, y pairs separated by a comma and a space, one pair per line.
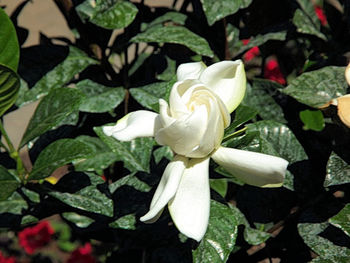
9, 87
318, 87
175, 17
163, 152
125, 222
75, 62
78, 220
219, 185
51, 111
176, 35
309, 9
322, 246
262, 39
15, 204
112, 14
259, 97
277, 139
31, 195
245, 3
312, 119
101, 156
29, 219
251, 235
8, 183
135, 154
138, 62
88, 199
220, 238
341, 220
242, 115
57, 154
338, 171
305, 25
149, 95
130, 180
9, 48
169, 72
99, 98
216, 10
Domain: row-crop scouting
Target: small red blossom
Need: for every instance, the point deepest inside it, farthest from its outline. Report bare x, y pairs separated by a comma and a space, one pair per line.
32, 238
273, 72
4, 259
82, 255
251, 53
321, 16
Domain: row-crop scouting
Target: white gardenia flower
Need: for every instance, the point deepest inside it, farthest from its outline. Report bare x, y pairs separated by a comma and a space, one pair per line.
192, 125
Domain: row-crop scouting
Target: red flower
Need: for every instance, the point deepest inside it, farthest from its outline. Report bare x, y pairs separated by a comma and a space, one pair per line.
82, 255
4, 259
273, 72
321, 16
251, 53
32, 238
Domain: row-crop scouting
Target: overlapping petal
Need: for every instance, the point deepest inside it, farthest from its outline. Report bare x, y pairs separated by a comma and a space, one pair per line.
167, 188
190, 207
227, 79
253, 168
133, 125
190, 70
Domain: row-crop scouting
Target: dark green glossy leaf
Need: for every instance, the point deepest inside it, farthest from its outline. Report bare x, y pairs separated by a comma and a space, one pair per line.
305, 25
309, 8
277, 139
322, 246
135, 154
15, 204
217, 10
251, 235
88, 199
318, 87
78, 220
169, 72
242, 115
338, 171
341, 219
259, 97
262, 39
149, 95
220, 238
163, 152
176, 35
138, 62
75, 62
113, 14
31, 195
130, 180
9, 87
57, 154
101, 156
29, 219
245, 3
8, 183
219, 185
9, 48
51, 111
313, 120
125, 222
99, 98
175, 17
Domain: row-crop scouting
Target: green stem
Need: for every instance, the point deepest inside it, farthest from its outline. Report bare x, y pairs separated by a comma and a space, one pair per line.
234, 134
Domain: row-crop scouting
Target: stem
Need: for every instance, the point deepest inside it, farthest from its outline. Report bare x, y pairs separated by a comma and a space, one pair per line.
234, 134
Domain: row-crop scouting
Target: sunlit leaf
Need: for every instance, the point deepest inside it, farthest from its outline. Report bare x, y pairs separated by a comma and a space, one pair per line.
79, 220
305, 25
125, 222
313, 120
338, 171
216, 10
9, 87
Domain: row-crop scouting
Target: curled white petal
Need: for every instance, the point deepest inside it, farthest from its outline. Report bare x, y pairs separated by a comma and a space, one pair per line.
190, 70
190, 207
227, 79
133, 125
166, 189
252, 168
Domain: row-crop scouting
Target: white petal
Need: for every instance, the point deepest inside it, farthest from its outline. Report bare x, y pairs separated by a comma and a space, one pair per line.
133, 125
185, 133
190, 70
227, 79
253, 168
167, 188
190, 207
